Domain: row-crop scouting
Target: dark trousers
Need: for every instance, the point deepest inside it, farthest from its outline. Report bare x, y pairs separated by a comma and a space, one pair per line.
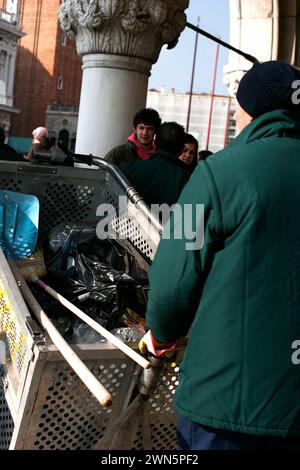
193, 436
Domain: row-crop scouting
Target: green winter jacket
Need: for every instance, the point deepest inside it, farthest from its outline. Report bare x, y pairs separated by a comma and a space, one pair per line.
160, 179
122, 154
239, 293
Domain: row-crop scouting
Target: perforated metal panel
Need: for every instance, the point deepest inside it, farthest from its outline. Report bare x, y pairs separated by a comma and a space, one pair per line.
66, 415
73, 195
128, 228
159, 416
163, 436
16, 338
147, 423
11, 183
6, 421
59, 413
130, 223
65, 194
67, 202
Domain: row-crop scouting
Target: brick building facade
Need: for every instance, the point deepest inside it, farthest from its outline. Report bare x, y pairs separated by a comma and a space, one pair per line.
10, 33
48, 73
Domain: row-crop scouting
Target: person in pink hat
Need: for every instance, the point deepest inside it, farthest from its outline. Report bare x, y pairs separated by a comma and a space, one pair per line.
40, 141
40, 134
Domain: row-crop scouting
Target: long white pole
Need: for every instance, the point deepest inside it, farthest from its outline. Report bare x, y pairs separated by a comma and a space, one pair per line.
83, 372
93, 324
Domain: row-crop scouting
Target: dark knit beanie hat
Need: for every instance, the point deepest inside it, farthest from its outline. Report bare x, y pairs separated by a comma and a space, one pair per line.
268, 86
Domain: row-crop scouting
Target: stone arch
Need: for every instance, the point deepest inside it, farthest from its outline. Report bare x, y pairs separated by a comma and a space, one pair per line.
58, 120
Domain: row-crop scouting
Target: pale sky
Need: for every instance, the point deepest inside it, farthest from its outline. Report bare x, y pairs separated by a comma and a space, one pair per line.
174, 67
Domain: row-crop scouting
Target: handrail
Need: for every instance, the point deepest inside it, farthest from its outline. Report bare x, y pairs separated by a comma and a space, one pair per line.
130, 191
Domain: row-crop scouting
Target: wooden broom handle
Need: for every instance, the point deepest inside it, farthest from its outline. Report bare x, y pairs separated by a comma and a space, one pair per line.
95, 387
93, 324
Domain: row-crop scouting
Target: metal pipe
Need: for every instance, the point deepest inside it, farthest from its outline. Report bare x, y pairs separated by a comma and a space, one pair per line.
130, 191
192, 80
212, 98
222, 43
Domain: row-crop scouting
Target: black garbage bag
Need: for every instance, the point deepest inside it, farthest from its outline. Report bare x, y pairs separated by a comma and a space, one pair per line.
95, 275
62, 244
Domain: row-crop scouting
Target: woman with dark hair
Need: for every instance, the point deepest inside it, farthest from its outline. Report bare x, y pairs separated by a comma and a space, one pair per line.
190, 151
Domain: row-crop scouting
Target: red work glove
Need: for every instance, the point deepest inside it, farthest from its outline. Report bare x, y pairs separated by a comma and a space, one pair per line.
149, 344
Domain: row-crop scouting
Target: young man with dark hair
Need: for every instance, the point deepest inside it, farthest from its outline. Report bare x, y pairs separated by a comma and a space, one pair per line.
161, 178
140, 144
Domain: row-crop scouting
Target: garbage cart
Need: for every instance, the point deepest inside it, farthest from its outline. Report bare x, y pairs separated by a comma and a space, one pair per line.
43, 404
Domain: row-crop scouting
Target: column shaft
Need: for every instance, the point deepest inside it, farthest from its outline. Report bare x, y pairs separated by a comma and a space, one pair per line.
112, 91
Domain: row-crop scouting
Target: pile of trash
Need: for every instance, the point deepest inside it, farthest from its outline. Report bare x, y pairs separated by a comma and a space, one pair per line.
101, 277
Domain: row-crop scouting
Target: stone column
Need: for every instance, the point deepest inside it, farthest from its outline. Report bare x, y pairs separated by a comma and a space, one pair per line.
266, 29
118, 40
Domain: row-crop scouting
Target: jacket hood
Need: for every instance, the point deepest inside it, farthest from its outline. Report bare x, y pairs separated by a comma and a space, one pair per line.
279, 123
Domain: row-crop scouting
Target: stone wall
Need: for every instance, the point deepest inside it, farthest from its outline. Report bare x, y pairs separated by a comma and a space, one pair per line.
45, 54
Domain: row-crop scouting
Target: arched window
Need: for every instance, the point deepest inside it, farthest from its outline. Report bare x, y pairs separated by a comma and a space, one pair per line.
64, 136
60, 83
64, 39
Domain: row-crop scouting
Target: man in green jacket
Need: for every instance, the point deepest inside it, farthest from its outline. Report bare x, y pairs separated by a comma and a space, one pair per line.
161, 179
237, 294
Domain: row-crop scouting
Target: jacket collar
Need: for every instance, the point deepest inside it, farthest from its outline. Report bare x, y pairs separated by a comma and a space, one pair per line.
144, 154
169, 156
279, 123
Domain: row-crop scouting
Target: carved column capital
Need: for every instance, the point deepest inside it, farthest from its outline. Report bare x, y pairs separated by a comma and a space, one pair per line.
132, 28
